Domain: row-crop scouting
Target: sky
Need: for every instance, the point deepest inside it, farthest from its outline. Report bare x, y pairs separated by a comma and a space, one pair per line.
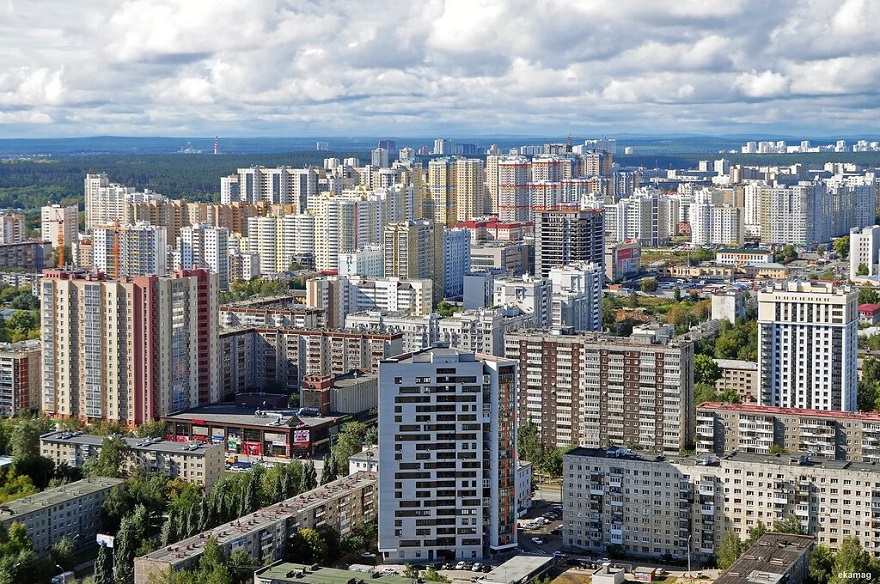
453, 68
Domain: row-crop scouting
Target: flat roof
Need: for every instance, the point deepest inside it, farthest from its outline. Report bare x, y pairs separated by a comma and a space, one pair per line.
55, 496
286, 572
799, 412
136, 444
190, 547
768, 559
787, 460
518, 569
736, 364
246, 416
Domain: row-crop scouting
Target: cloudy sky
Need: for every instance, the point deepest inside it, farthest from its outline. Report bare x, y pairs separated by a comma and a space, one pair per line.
434, 67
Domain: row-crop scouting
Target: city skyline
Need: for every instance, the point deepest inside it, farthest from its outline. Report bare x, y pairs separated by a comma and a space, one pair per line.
102, 67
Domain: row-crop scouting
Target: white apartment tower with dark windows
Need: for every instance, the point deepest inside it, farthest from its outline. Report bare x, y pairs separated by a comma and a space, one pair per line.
447, 456
807, 345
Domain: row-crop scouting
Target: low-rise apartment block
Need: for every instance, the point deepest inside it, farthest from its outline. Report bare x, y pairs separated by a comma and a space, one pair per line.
202, 464
264, 534
741, 376
766, 429
72, 510
652, 505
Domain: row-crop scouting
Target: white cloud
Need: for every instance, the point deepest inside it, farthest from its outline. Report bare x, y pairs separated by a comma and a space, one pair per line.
761, 85
395, 67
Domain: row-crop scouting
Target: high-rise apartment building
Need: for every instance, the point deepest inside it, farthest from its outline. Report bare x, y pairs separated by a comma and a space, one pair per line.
20, 370
807, 346
128, 350
414, 250
106, 201
864, 252
590, 390
275, 186
447, 456
470, 189
514, 175
13, 229
456, 260
130, 250
57, 223
340, 296
201, 246
568, 234
577, 296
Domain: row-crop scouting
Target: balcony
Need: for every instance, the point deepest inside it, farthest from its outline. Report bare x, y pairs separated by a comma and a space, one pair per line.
707, 510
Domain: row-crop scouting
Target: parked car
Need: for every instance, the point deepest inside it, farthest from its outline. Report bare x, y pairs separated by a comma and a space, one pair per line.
487, 568
460, 566
476, 567
537, 541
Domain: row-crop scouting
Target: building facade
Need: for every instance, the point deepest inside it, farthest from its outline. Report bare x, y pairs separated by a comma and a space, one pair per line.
807, 345
201, 464
447, 456
566, 235
72, 511
589, 390
128, 350
20, 377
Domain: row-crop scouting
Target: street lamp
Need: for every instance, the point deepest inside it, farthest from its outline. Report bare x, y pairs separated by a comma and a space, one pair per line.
689, 554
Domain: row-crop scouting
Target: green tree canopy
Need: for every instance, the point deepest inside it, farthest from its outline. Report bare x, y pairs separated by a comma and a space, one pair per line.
841, 246
706, 370
729, 549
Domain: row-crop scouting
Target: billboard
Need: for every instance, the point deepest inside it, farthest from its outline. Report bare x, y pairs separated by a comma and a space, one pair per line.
301, 437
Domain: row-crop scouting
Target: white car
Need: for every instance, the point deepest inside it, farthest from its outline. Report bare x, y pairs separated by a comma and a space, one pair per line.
537, 541
460, 566
477, 567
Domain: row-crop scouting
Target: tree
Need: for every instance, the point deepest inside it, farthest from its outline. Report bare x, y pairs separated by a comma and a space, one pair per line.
706, 370
529, 446
308, 478
728, 550
703, 392
62, 553
154, 429
349, 441
212, 557
866, 396
862, 270
676, 294
868, 296
112, 461
104, 566
821, 565
328, 470
851, 558
371, 438
648, 285
307, 546
841, 246
755, 533
124, 547
729, 395
790, 524
25, 439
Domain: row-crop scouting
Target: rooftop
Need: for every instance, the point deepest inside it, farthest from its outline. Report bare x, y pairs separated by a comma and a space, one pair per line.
736, 364
246, 416
284, 572
780, 411
136, 444
186, 549
518, 569
768, 560
56, 496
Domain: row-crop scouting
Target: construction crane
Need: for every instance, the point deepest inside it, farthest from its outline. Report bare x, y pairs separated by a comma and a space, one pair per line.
59, 219
116, 249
